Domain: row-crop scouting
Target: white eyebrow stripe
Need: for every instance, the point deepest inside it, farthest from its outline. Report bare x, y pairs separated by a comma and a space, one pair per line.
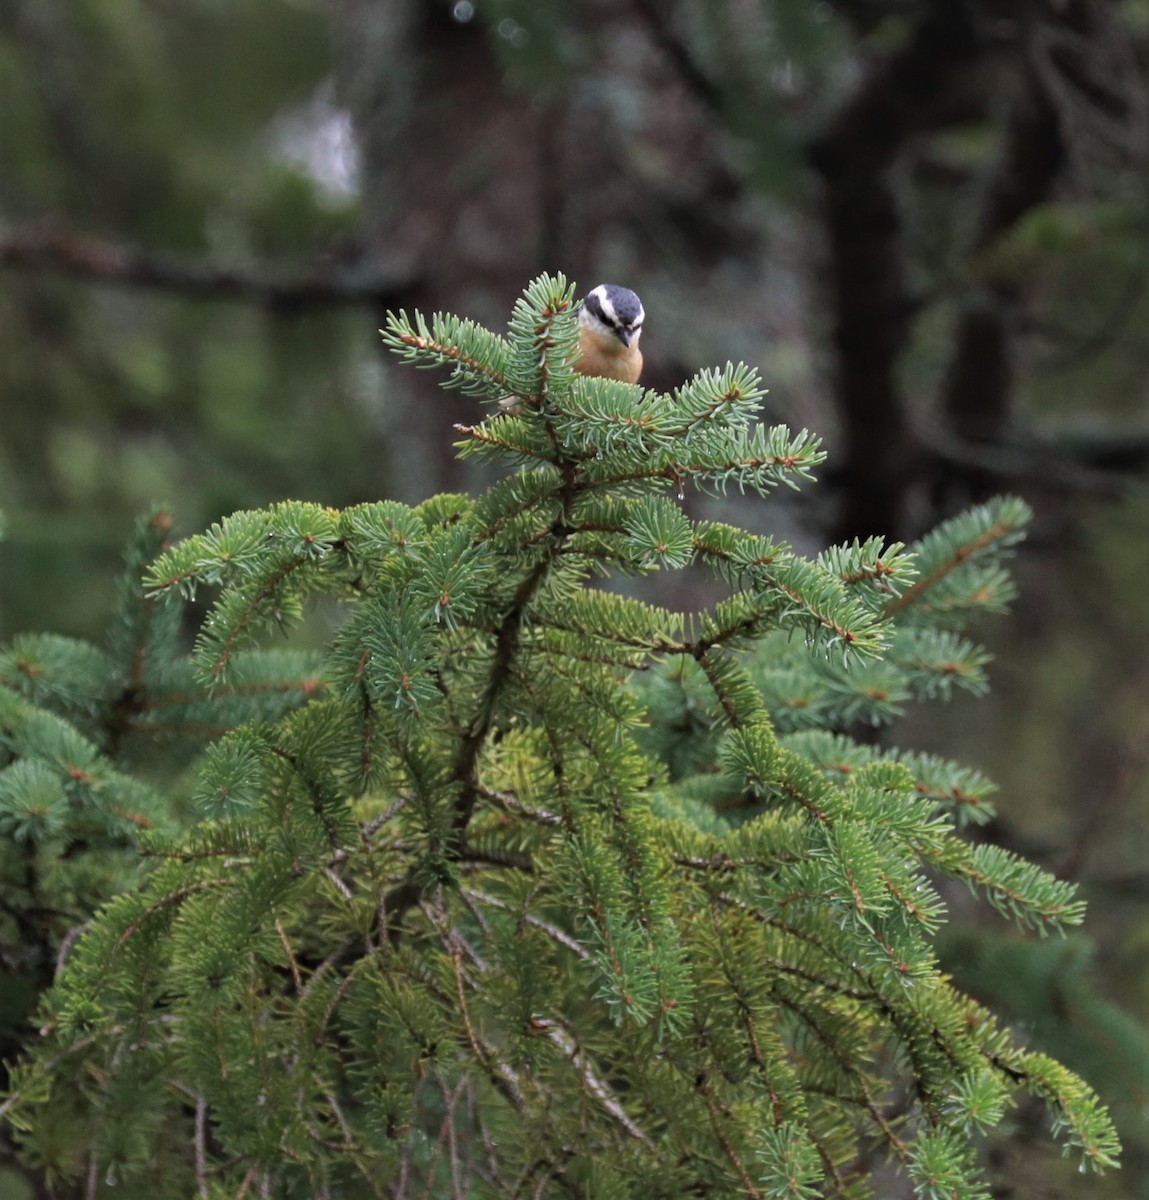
606, 306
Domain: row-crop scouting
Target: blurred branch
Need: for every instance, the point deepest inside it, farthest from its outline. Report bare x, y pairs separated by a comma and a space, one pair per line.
978, 389
1111, 770
919, 87
689, 70
1074, 348
100, 261
1107, 469
1068, 79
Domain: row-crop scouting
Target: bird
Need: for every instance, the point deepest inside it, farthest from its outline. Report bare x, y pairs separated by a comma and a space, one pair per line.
610, 324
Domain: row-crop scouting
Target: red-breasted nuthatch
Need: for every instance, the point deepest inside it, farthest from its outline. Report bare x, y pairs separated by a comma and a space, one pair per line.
610, 324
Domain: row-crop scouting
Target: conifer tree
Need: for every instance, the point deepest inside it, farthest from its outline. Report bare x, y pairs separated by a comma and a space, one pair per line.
548, 891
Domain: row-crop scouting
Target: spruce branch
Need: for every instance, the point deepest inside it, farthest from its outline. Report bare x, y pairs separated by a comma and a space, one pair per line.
543, 343
465, 346
963, 542
1016, 888
1076, 1111
728, 1148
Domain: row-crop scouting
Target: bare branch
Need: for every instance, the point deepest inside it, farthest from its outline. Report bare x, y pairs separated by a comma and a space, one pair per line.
96, 260
201, 1147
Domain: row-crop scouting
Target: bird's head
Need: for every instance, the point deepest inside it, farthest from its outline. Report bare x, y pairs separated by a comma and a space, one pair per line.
613, 311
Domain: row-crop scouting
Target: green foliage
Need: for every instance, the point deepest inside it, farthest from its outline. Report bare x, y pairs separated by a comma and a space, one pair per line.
549, 891
1047, 985
73, 809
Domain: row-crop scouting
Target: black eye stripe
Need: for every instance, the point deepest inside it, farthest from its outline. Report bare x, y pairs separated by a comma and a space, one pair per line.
616, 307
615, 322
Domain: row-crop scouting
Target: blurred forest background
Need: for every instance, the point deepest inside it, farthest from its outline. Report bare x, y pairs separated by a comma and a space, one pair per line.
927, 221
